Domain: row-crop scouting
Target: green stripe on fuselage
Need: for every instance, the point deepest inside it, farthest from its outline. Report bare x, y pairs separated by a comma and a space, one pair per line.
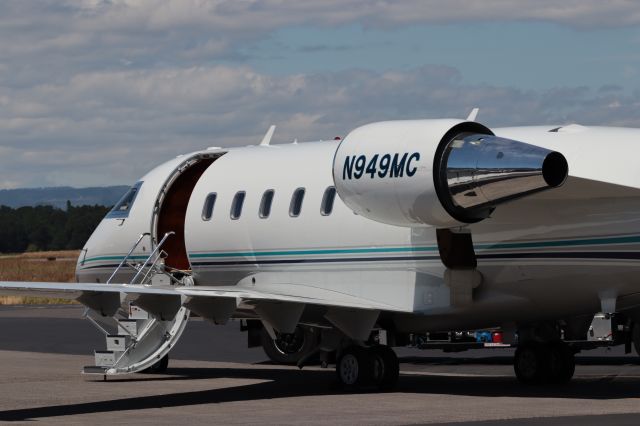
389, 250
318, 251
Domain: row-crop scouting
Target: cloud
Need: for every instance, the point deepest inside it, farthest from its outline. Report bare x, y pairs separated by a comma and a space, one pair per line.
251, 15
49, 41
268, 14
112, 126
152, 31
98, 92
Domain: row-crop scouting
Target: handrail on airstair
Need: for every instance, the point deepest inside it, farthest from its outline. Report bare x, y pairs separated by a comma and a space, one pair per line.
95, 323
127, 256
151, 255
149, 338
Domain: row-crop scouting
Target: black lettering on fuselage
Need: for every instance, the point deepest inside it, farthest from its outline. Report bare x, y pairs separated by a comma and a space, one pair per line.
397, 165
347, 170
380, 165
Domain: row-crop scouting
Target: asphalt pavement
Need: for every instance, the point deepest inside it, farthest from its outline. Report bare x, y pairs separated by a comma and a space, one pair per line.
214, 379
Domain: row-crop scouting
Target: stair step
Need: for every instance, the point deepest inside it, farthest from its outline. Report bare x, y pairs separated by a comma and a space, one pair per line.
105, 358
160, 279
137, 313
94, 369
128, 326
118, 342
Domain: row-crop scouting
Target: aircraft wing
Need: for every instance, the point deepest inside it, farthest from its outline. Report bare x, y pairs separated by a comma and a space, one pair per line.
215, 303
576, 201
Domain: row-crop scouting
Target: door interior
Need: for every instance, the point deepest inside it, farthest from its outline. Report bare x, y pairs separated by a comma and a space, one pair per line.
173, 211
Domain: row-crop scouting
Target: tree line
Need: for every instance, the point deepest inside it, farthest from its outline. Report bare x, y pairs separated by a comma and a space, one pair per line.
47, 228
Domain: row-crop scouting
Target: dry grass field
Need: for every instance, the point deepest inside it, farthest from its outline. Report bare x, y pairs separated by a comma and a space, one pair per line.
57, 266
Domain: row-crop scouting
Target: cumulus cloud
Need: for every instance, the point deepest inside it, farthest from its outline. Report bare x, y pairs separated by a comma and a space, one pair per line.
111, 126
97, 92
140, 31
265, 14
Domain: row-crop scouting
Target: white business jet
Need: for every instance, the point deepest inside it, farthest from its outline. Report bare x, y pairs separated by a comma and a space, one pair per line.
403, 227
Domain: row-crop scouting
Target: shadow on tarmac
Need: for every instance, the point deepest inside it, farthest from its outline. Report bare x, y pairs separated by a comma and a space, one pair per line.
200, 342
508, 360
284, 383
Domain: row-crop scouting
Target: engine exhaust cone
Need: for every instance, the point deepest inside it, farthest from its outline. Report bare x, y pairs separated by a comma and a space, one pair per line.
478, 172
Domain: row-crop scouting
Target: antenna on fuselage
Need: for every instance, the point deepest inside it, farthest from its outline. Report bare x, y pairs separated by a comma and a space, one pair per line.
267, 137
473, 114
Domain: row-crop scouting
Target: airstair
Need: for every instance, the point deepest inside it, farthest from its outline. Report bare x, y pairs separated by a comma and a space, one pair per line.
136, 340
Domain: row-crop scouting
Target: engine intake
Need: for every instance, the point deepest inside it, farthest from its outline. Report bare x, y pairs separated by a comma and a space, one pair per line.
441, 173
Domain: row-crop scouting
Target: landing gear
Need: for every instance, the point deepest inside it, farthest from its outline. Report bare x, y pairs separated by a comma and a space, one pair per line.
354, 367
563, 363
636, 337
386, 367
538, 363
376, 366
289, 348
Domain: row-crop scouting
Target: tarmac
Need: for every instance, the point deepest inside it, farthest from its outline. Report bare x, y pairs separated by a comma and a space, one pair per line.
214, 379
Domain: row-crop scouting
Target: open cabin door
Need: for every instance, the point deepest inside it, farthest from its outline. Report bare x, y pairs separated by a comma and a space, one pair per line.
171, 209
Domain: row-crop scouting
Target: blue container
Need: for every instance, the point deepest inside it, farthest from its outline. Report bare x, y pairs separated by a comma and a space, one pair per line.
483, 336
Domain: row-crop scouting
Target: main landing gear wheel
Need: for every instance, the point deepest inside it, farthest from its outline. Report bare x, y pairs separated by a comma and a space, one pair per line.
386, 367
354, 367
636, 337
537, 363
361, 367
563, 363
530, 363
288, 348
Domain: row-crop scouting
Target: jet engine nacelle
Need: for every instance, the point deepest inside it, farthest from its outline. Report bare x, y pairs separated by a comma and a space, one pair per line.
442, 173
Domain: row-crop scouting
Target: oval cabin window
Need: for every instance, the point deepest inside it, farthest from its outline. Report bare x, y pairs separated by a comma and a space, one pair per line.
265, 204
327, 201
236, 205
209, 203
296, 202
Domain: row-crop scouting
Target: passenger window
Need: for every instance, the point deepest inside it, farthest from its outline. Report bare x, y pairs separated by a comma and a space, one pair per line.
209, 203
123, 206
236, 205
296, 202
265, 204
327, 201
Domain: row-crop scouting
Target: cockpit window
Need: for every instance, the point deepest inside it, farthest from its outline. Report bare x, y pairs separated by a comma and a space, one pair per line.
122, 207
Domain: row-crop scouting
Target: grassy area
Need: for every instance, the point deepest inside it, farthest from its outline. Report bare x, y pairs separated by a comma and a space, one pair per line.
53, 266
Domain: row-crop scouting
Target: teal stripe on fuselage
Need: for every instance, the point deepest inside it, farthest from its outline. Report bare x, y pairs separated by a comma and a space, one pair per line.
487, 246
560, 243
114, 257
316, 252
390, 250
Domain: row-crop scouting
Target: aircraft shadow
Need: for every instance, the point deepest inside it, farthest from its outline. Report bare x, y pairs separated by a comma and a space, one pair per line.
284, 383
508, 360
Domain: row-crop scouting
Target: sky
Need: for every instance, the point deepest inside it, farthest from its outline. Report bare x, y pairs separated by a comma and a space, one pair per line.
96, 93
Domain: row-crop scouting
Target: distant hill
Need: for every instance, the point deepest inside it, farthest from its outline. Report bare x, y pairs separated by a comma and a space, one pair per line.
58, 196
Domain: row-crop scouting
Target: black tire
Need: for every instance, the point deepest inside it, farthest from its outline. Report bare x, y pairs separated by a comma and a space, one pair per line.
354, 367
562, 363
385, 367
158, 367
288, 349
636, 337
532, 363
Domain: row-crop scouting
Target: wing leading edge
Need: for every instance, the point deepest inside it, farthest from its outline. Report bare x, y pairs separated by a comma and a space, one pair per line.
354, 316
